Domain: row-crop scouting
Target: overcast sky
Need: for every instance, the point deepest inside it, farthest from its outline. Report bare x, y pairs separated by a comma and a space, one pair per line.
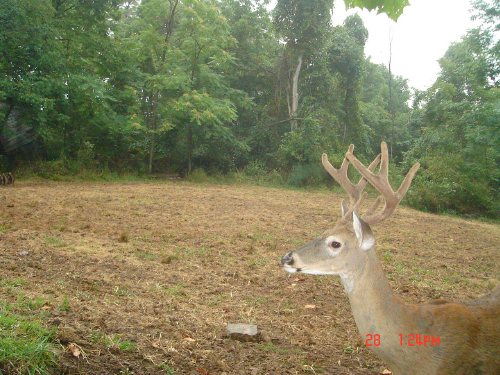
419, 38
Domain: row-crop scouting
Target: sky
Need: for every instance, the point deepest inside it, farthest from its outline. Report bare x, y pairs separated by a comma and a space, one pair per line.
420, 37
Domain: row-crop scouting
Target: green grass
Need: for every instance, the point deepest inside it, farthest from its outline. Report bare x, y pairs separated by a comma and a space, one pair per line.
65, 306
26, 345
12, 283
167, 370
113, 342
144, 255
26, 304
176, 291
54, 241
270, 347
122, 292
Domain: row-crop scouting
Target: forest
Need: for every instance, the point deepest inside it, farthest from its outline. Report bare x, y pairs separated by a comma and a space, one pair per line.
234, 89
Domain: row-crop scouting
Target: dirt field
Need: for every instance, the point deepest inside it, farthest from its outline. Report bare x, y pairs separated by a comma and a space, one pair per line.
149, 274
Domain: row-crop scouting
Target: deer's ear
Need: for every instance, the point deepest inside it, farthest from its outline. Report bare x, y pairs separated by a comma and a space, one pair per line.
363, 233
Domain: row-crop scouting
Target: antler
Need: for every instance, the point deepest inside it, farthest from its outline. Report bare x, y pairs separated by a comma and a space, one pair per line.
340, 175
380, 181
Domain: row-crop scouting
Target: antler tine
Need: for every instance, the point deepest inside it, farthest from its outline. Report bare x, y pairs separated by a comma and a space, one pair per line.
380, 182
362, 181
340, 175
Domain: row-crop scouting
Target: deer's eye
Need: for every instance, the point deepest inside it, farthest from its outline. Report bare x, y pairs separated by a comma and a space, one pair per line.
335, 244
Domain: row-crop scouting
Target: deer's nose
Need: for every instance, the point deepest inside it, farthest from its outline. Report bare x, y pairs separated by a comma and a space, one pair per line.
287, 259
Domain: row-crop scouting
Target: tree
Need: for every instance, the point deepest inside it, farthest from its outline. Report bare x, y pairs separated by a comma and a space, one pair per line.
55, 70
152, 30
460, 138
303, 25
346, 57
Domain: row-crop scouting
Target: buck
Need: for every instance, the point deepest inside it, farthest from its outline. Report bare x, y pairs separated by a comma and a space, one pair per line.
439, 337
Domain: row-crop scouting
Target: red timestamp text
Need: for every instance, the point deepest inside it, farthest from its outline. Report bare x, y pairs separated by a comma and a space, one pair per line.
372, 340
412, 339
417, 339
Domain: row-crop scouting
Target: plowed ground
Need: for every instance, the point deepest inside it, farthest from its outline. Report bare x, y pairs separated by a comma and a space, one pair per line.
144, 277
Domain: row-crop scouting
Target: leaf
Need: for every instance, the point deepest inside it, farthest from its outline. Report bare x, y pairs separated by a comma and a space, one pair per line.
393, 8
74, 349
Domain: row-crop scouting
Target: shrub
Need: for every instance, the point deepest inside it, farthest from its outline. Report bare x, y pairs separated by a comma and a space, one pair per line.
307, 175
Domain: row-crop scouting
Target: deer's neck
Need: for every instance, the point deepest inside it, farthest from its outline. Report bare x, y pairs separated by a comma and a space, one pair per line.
376, 310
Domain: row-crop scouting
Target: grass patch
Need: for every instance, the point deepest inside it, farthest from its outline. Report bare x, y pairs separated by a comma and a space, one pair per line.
167, 370
217, 299
112, 342
12, 283
258, 263
387, 256
144, 255
27, 304
54, 241
190, 252
65, 306
175, 291
257, 301
26, 345
122, 292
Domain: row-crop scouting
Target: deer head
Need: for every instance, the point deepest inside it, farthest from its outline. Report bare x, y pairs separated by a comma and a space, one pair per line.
344, 249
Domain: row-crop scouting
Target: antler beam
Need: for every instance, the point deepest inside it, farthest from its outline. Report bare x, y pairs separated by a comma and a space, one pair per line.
340, 175
380, 181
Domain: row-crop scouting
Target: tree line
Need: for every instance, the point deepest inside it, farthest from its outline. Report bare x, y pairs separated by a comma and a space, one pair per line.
221, 86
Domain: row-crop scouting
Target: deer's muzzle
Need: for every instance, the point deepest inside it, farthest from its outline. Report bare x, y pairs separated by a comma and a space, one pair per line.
287, 259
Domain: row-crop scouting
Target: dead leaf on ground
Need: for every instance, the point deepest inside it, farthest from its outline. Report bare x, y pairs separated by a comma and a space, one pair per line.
74, 349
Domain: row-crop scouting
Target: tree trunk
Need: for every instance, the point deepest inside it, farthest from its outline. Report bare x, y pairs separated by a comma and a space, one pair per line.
190, 148
152, 128
151, 153
292, 108
392, 112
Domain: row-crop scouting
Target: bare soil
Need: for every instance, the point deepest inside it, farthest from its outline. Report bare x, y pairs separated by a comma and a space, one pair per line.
144, 277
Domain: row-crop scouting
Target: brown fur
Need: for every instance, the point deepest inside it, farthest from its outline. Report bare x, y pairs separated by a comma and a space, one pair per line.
469, 334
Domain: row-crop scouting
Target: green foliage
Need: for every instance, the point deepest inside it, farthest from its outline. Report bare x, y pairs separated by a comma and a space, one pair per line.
346, 57
459, 143
113, 342
303, 23
308, 175
26, 346
393, 8
256, 168
227, 90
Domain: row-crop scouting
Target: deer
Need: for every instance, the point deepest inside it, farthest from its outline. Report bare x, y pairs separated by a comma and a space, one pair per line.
439, 337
